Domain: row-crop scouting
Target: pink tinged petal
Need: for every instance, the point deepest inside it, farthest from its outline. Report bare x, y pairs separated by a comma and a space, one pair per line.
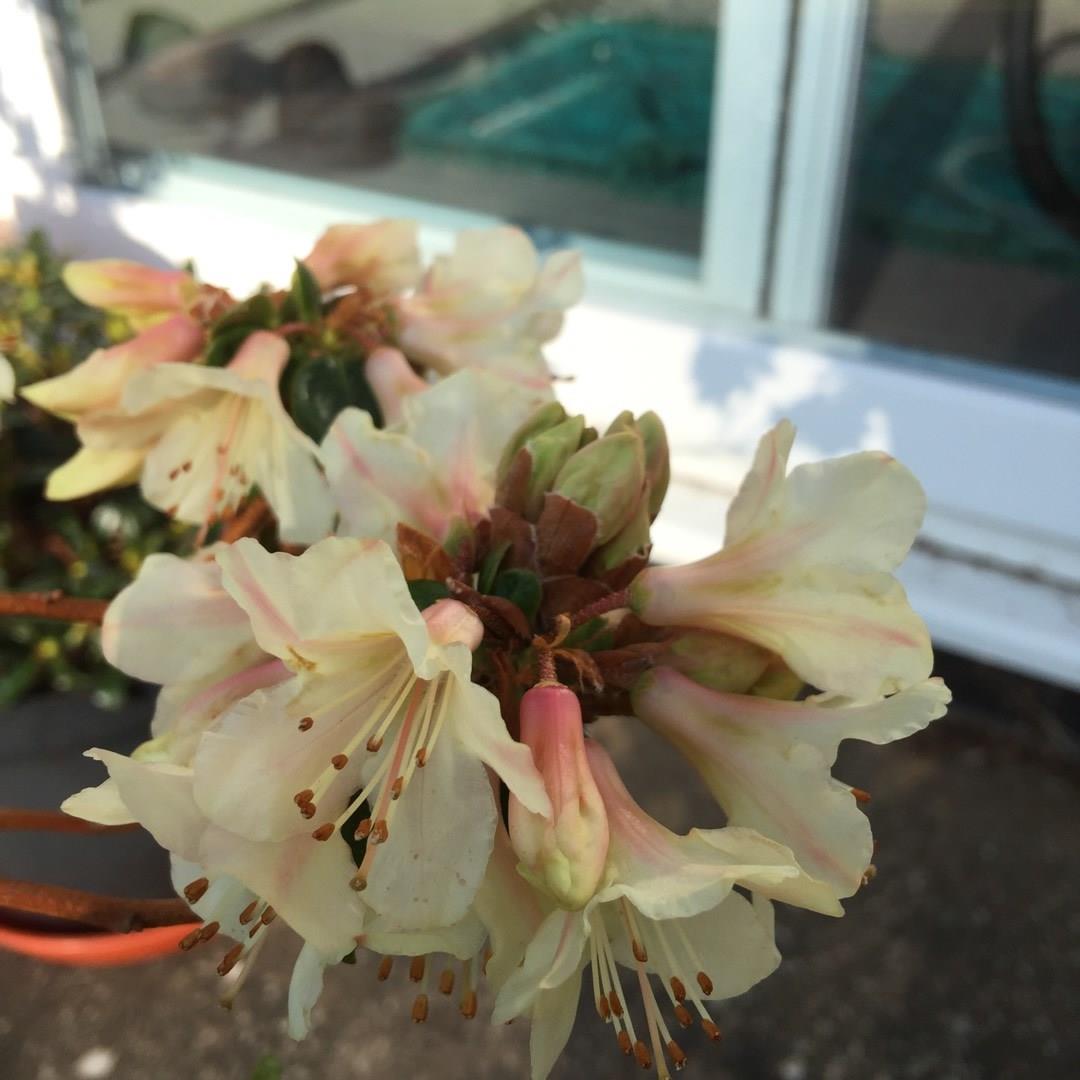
305, 882
550, 1024
381, 257
392, 379
554, 956
441, 833
225, 897
563, 853
127, 287
159, 797
175, 622
767, 762
93, 470
756, 503
450, 622
463, 939
325, 607
480, 729
98, 382
668, 876
379, 478
262, 357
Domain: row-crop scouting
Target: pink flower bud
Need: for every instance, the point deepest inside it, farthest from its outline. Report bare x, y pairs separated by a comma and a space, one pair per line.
564, 854
393, 380
450, 621
381, 257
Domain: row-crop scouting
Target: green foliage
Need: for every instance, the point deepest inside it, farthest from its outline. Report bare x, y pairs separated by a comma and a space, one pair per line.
318, 387
268, 1068
520, 587
425, 593
88, 548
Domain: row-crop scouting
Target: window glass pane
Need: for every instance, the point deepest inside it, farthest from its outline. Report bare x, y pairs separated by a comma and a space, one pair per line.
585, 117
964, 230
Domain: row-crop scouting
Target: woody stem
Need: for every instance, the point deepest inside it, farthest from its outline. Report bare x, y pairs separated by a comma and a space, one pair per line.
53, 605
120, 914
15, 818
602, 606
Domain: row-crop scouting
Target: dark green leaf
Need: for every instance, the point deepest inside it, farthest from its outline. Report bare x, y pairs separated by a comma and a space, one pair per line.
492, 562
268, 1068
305, 296
425, 593
318, 389
256, 313
225, 343
520, 587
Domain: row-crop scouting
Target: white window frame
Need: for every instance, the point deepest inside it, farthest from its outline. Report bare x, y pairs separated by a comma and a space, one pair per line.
998, 570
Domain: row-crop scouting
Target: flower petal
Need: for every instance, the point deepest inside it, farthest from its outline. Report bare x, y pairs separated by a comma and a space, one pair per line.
315, 610
89, 470
551, 1022
101, 804
767, 762
305, 988
175, 622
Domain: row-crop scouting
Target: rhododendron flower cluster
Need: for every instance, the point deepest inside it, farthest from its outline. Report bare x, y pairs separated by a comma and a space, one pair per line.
414, 584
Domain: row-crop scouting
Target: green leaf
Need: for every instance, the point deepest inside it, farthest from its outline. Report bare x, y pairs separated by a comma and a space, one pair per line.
305, 296
520, 587
318, 389
425, 592
490, 567
267, 1068
255, 313
225, 343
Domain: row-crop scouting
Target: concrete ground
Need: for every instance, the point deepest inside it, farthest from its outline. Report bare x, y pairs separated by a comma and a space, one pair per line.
960, 962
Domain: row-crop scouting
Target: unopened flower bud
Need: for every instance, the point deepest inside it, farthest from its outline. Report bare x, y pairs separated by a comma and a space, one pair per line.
381, 257
128, 287
450, 621
564, 854
549, 451
547, 416
606, 477
632, 539
657, 459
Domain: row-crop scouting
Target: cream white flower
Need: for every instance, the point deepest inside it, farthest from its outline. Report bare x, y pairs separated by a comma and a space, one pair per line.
806, 571
142, 294
228, 431
434, 467
90, 395
667, 909
7, 384
490, 304
382, 257
380, 713
768, 762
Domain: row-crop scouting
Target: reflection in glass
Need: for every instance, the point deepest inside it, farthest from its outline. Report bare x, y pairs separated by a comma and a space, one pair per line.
589, 117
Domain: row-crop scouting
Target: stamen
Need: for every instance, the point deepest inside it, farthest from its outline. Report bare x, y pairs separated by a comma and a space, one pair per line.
421, 757
642, 1055
303, 797
467, 1008
684, 1016
323, 832
248, 913
380, 832
416, 968
396, 786
209, 930
678, 989
711, 1030
675, 1052
446, 982
860, 795
705, 983
386, 965
307, 811
229, 960
339, 761
358, 882
196, 890
363, 830
420, 1009
189, 941
306, 723
268, 915
624, 1043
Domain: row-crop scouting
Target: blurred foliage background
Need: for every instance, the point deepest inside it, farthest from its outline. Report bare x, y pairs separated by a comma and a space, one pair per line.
91, 547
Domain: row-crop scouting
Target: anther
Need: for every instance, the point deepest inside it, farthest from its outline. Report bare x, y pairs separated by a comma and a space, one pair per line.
603, 1008
624, 1043
358, 882
416, 968
711, 1030
421, 757
446, 982
339, 761
324, 831
642, 1055
380, 832
640, 955
268, 915
386, 965
307, 811
189, 941
306, 723
209, 930
705, 983
468, 1005
419, 1009
615, 1003
374, 745
228, 962
363, 830
860, 795
301, 798
678, 989
675, 1052
248, 913
396, 786
869, 874
195, 891
255, 929
682, 1014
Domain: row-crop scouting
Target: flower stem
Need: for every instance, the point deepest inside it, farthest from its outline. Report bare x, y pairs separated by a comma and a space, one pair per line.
602, 606
16, 818
53, 605
119, 914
